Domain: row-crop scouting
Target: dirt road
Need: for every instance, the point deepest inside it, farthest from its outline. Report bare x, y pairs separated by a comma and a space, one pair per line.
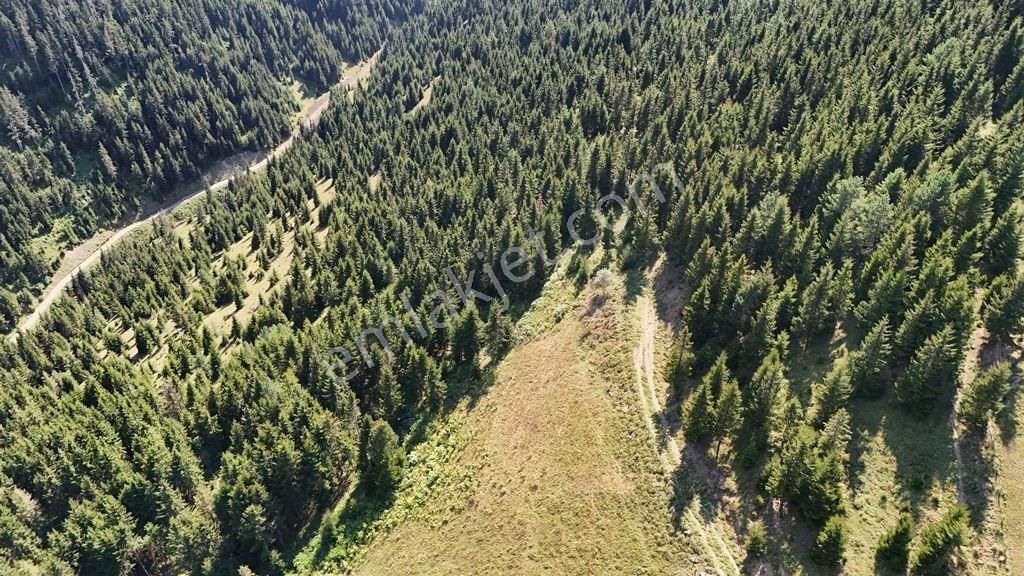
713, 535
89, 252
643, 361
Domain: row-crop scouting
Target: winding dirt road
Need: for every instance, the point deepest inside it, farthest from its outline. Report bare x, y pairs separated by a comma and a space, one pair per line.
89, 252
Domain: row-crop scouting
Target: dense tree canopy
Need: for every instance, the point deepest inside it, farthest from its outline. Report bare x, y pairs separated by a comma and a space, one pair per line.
858, 179
107, 103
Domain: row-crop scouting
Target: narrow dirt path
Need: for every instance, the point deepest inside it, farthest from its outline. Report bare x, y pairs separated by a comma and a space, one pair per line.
89, 252
709, 533
643, 360
972, 364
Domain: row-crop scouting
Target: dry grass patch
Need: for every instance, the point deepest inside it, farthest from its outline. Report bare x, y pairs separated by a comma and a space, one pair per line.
428, 94
551, 496
557, 475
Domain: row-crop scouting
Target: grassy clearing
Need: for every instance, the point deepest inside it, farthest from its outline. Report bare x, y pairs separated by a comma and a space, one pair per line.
549, 469
304, 95
424, 101
373, 182
1011, 483
53, 244
899, 463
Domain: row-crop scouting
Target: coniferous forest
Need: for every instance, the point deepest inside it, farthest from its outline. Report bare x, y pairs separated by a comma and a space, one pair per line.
105, 104
849, 203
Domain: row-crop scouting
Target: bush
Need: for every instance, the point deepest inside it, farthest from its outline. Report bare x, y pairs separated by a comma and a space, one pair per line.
603, 280
894, 546
757, 539
937, 543
830, 545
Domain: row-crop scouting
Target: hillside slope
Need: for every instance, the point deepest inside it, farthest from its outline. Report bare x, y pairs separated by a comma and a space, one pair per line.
559, 476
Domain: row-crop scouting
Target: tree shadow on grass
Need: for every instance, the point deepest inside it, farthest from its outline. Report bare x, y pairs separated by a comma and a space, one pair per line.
670, 415
978, 472
686, 489
921, 446
342, 531
634, 278
671, 293
866, 422
1007, 417
339, 532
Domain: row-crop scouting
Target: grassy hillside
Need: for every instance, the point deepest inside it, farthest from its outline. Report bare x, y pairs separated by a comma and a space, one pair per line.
548, 469
570, 459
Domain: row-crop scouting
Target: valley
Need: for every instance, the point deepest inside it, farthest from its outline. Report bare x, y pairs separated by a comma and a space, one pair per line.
88, 253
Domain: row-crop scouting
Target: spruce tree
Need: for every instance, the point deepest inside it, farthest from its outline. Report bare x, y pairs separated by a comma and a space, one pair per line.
972, 205
466, 343
894, 545
832, 393
1004, 307
830, 543
982, 399
500, 331
385, 457
699, 414
869, 365
728, 413
760, 399
937, 542
1003, 245
930, 375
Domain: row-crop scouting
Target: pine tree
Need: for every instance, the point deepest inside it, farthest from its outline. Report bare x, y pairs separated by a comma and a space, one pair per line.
823, 493
815, 304
972, 205
761, 397
832, 393
930, 375
885, 297
756, 542
500, 331
146, 338
982, 399
98, 532
699, 414
435, 390
466, 342
385, 457
1003, 246
869, 365
385, 393
1004, 307
830, 544
921, 320
718, 375
728, 412
937, 542
894, 545
834, 438
109, 169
